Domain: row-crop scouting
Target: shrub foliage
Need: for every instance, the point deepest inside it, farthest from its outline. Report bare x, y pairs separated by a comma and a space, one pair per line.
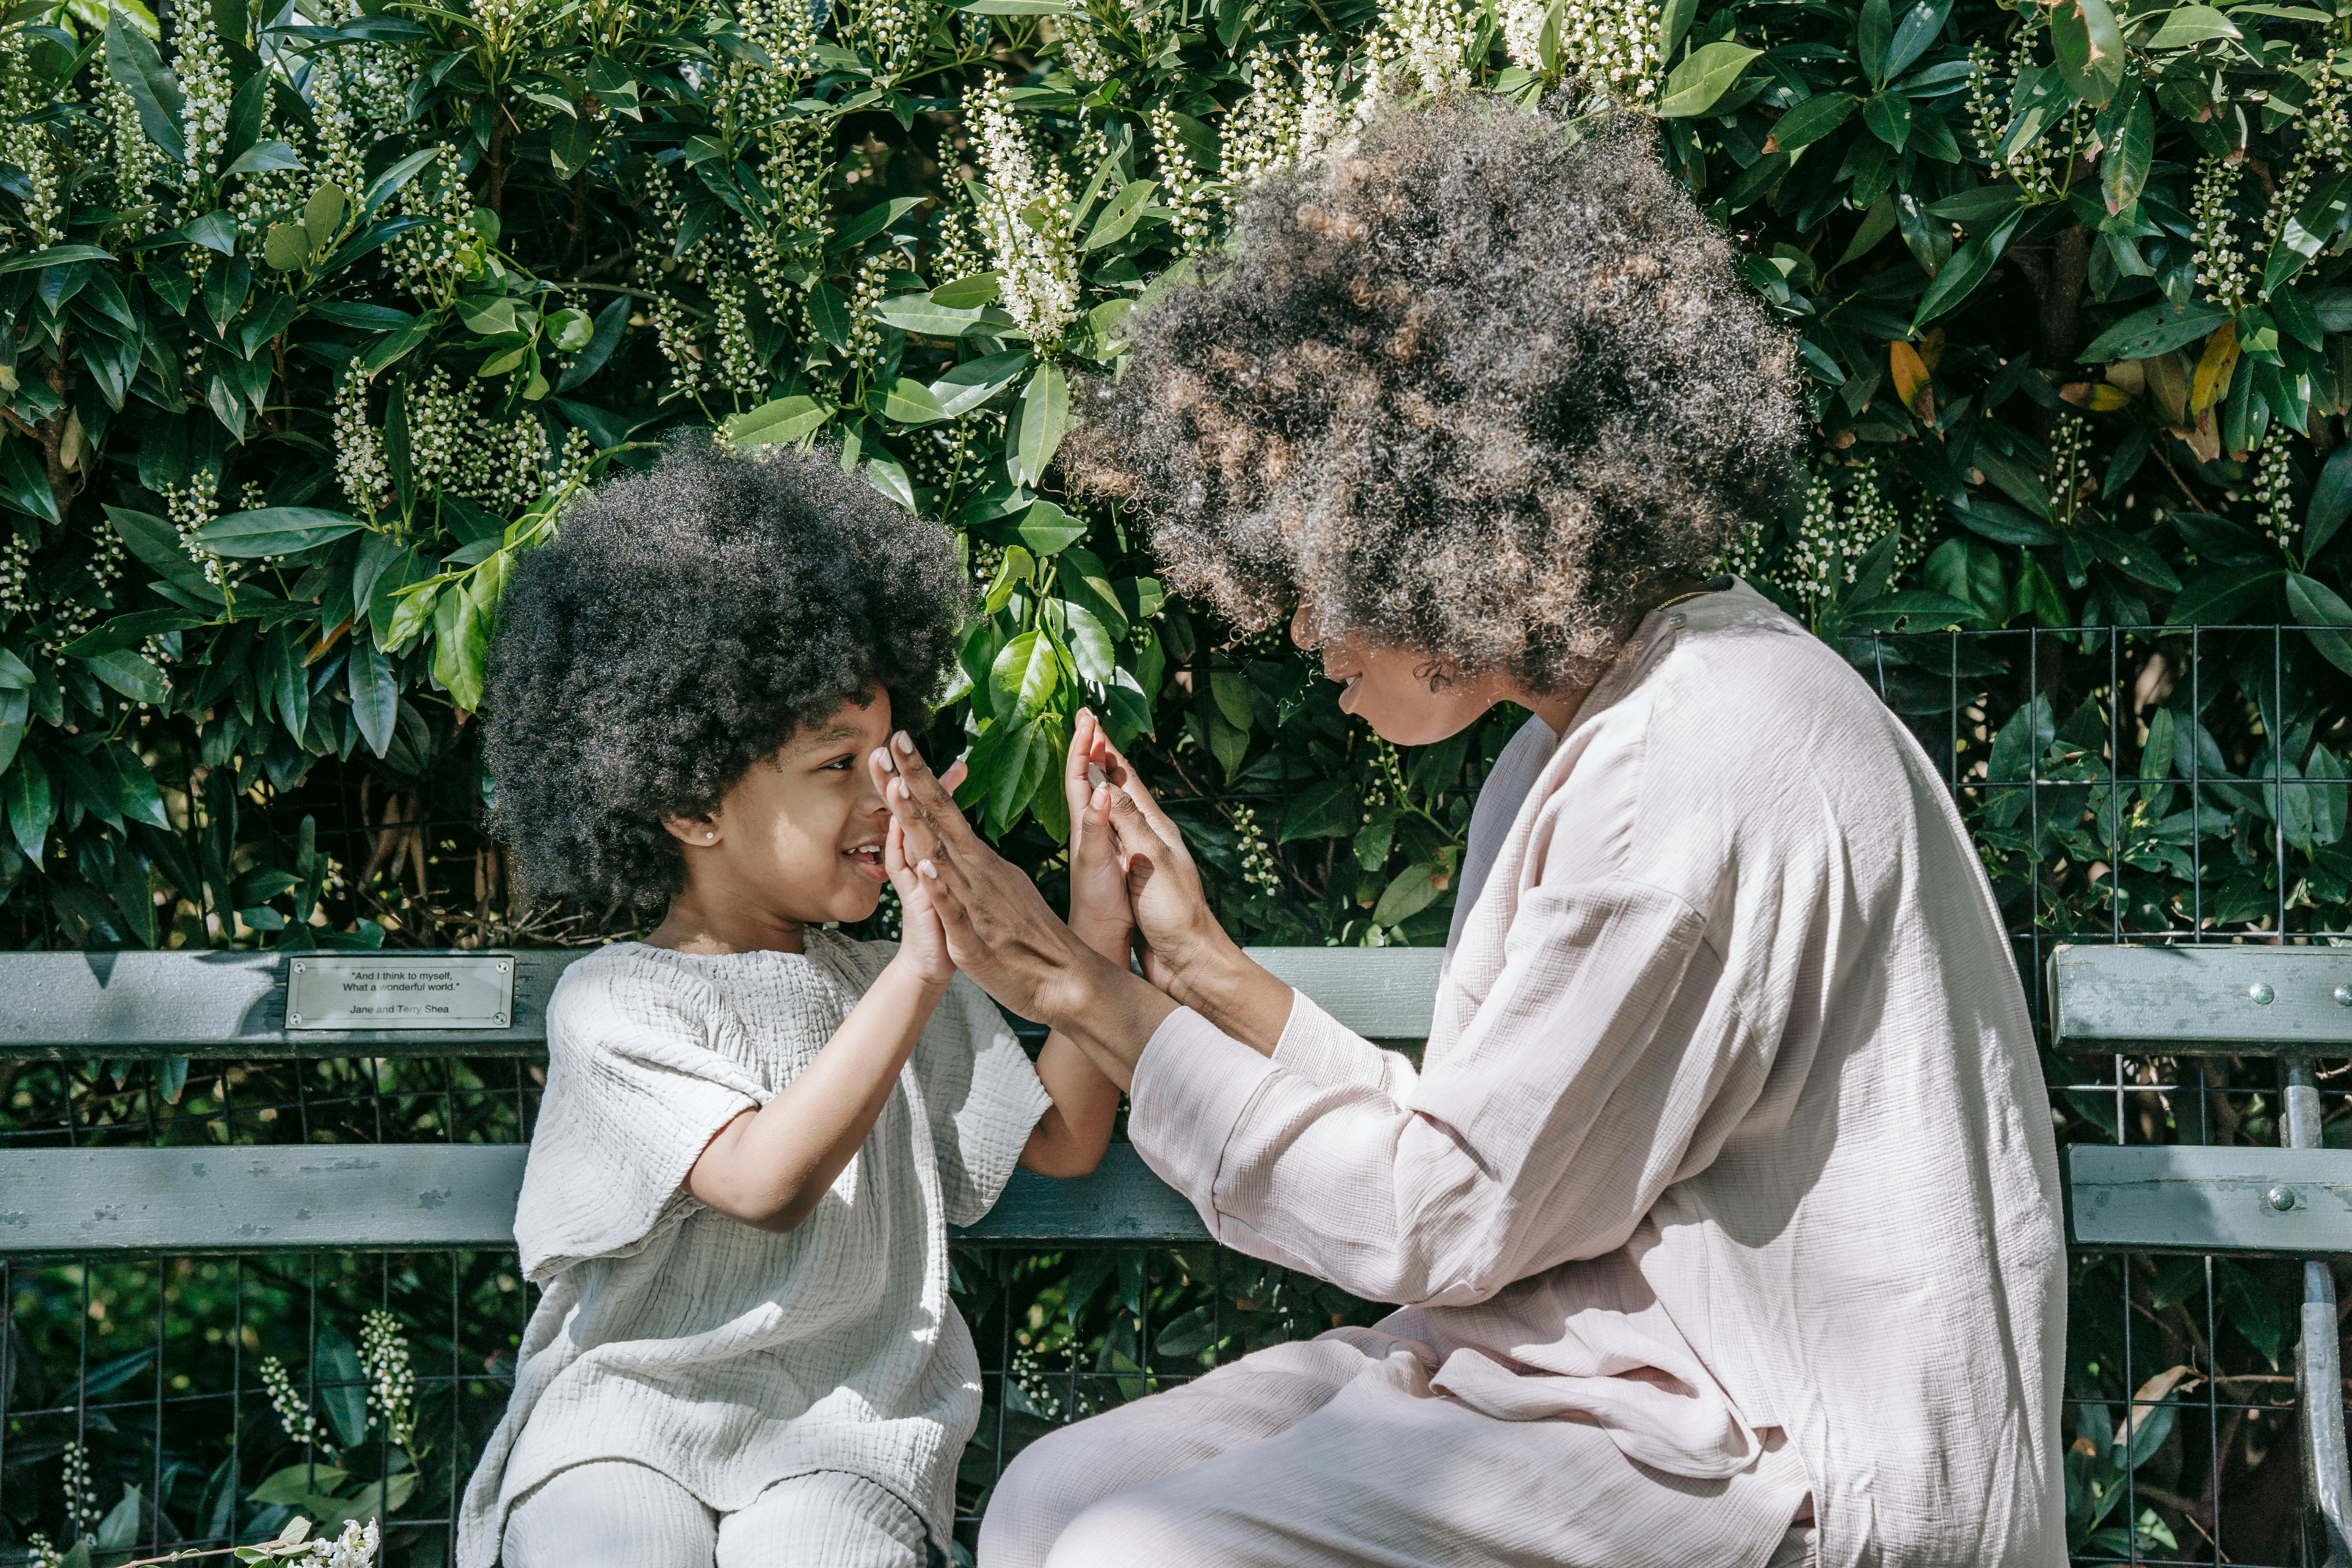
316, 316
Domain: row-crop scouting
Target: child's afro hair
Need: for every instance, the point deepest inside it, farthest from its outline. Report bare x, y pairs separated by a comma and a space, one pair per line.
1473, 386
686, 621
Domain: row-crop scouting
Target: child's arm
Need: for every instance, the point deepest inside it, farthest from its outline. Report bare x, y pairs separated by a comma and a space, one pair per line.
769, 1167
1070, 1138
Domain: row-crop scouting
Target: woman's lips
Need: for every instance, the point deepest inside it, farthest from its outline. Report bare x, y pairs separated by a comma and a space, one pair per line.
869, 861
1347, 691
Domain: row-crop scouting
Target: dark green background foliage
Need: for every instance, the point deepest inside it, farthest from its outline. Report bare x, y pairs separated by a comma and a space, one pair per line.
316, 316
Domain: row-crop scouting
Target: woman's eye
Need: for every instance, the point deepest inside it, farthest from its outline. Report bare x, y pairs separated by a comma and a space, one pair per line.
839, 764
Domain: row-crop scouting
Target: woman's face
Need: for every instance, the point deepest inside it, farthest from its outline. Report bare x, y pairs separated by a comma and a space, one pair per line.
800, 835
1400, 693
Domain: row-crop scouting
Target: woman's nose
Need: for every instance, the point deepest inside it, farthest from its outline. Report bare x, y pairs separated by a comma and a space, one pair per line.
1302, 628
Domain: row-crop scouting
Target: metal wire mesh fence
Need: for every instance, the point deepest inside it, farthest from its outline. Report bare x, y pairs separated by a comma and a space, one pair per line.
2168, 785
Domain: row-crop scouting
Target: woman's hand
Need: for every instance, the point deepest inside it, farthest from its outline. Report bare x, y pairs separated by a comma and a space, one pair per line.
1099, 911
1000, 930
1186, 953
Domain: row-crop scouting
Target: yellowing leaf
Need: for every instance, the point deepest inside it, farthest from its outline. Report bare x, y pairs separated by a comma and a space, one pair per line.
1910, 372
2214, 368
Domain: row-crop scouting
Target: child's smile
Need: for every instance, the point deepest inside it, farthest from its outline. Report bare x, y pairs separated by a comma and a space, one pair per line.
796, 842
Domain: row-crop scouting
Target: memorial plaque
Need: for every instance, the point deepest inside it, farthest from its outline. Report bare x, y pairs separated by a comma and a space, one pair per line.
397, 991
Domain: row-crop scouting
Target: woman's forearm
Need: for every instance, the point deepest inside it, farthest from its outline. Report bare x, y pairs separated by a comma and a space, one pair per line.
1235, 993
770, 1168
1106, 1011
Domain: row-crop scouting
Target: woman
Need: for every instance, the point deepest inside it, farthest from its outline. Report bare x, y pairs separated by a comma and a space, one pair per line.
1722, 1210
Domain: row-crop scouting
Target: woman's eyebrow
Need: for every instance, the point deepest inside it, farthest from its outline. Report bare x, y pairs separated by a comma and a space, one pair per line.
834, 736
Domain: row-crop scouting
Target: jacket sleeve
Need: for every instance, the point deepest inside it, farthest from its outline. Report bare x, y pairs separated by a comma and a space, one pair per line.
1588, 1074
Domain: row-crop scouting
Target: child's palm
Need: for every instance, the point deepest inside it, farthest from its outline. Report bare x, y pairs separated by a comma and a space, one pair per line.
923, 941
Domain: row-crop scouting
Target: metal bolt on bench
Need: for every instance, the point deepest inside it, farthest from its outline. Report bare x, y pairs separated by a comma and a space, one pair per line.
2289, 1003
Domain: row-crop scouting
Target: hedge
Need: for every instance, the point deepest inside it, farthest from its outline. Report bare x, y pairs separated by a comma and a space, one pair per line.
317, 315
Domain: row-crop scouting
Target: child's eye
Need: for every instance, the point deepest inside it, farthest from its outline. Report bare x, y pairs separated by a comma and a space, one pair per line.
839, 764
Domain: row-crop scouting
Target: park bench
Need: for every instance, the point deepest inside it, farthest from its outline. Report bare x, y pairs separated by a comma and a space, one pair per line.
246, 1007
2293, 1004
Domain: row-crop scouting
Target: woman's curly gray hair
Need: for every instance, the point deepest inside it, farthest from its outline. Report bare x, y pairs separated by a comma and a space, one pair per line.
1472, 386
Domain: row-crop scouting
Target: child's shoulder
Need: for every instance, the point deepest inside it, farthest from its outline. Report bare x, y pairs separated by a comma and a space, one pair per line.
634, 985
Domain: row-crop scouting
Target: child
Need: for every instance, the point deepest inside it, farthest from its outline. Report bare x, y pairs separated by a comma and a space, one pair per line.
756, 1131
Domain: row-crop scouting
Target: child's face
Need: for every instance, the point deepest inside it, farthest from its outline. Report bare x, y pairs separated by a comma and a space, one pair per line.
800, 835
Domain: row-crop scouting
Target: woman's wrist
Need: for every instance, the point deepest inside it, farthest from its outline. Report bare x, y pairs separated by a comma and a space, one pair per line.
1235, 993
1108, 1012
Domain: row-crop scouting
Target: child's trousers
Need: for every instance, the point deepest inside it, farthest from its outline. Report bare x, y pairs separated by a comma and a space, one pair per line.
614, 1514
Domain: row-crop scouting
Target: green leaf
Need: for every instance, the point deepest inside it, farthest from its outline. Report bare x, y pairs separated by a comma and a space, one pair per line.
1874, 30
1695, 85
26, 793
131, 674
2090, 49
1085, 578
273, 531
967, 293
1324, 809
1985, 204
1969, 570
374, 693
873, 221
1122, 214
2325, 616
265, 158
287, 246
1044, 413
772, 424
1915, 30
2214, 598
1413, 890
2331, 501
1047, 530
1091, 642
828, 312
1966, 269
414, 611
1889, 115
919, 314
907, 401
974, 382
1910, 610
55, 256
1230, 691
16, 715
1810, 121
288, 1486
2187, 26
458, 648
2123, 169
132, 61
135, 789
1023, 678
1674, 24
342, 1385
2157, 330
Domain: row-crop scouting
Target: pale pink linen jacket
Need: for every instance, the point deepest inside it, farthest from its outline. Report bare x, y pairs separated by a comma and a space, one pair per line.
1729, 1119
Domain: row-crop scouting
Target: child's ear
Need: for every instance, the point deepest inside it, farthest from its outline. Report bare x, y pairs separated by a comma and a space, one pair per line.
696, 832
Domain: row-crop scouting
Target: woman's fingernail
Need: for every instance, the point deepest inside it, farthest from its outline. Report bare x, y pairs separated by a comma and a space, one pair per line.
928, 869
904, 743
898, 788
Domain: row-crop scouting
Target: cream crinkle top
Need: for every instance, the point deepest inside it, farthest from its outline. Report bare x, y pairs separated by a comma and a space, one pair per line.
726, 1357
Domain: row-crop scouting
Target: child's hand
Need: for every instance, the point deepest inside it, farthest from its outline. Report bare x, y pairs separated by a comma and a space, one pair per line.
1100, 912
923, 942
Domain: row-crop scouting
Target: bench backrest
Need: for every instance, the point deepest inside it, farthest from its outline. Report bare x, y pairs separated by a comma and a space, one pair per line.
2246, 1001
405, 1197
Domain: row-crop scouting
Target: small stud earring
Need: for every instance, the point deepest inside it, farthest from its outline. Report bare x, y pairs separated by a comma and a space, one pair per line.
710, 835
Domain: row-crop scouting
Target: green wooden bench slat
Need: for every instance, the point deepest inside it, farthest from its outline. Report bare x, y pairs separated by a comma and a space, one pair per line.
233, 1004
2201, 1000
260, 1198
417, 1197
2179, 1197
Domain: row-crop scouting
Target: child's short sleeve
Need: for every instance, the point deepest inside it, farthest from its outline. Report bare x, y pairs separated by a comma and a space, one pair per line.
983, 1095
634, 1094
980, 1092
